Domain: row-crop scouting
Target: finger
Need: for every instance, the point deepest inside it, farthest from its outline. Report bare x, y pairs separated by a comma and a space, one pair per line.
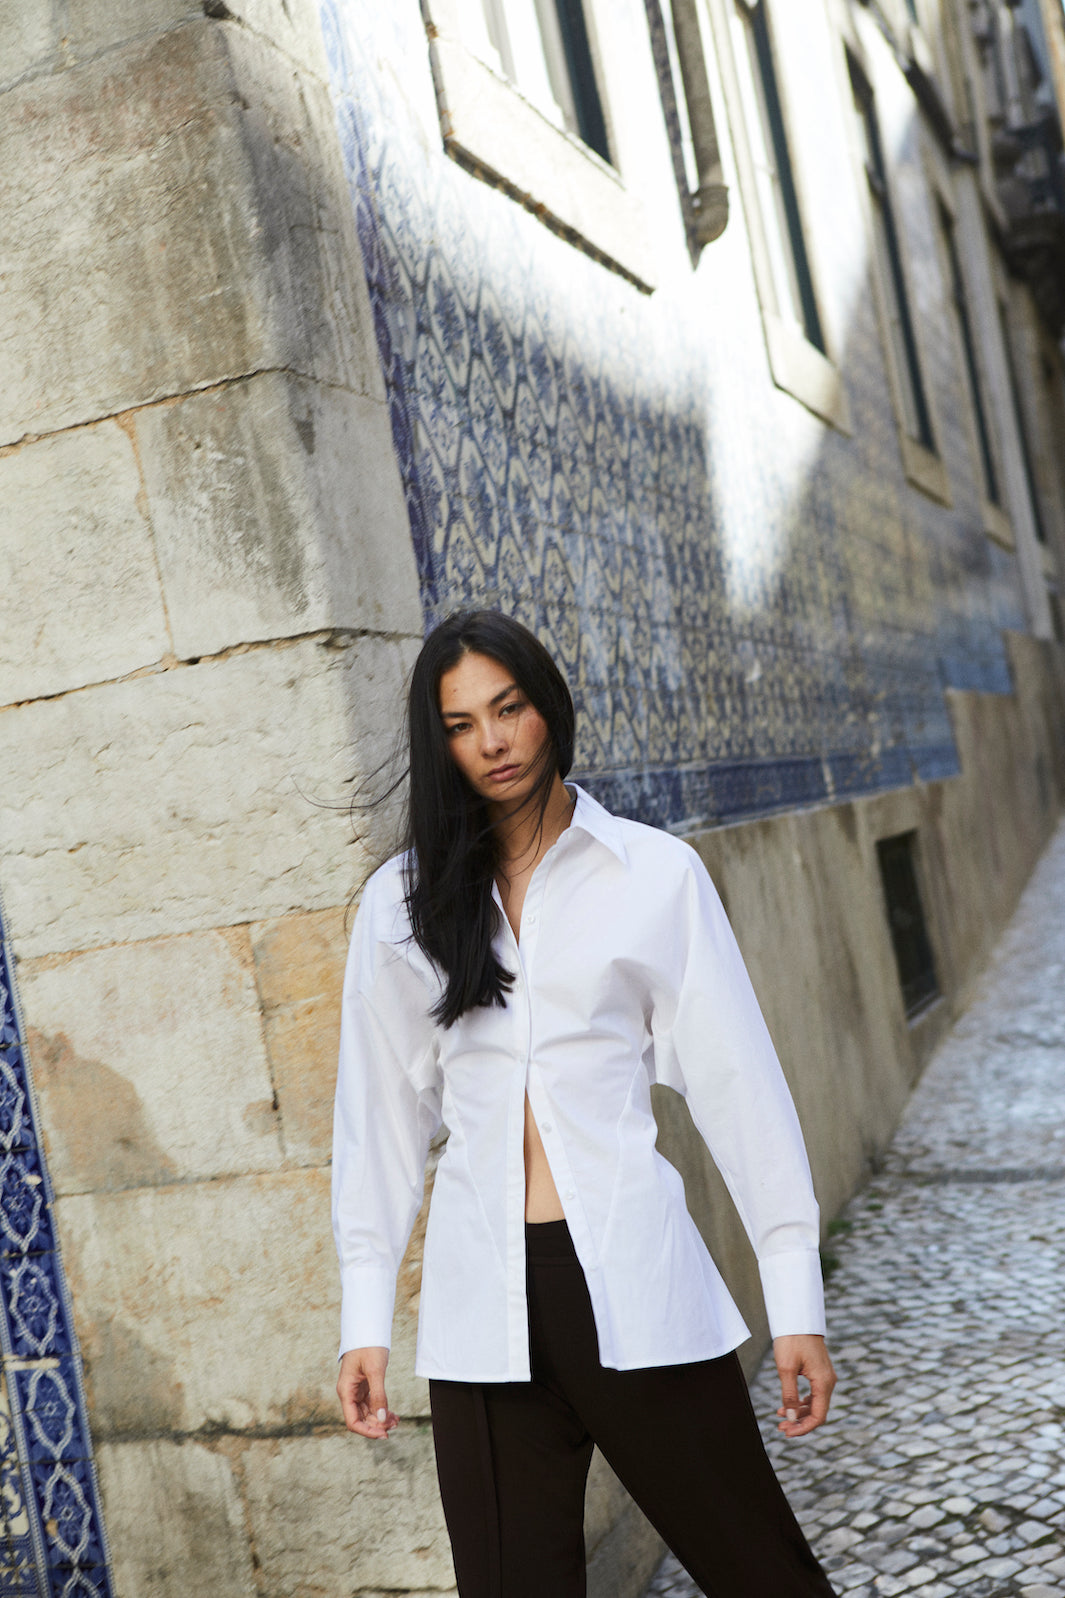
789, 1394
347, 1392
369, 1428
377, 1407
821, 1396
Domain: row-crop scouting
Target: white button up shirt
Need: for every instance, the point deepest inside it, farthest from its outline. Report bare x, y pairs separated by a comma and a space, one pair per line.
627, 973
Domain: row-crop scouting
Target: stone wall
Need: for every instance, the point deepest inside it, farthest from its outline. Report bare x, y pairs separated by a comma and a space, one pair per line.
207, 609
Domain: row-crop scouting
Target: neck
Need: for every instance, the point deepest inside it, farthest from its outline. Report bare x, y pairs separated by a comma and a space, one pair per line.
523, 837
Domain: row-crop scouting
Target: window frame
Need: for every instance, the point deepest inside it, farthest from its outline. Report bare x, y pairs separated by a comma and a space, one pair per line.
976, 378
498, 134
922, 464
798, 367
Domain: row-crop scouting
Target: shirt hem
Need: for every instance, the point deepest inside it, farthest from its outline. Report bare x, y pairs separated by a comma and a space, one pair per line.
716, 1351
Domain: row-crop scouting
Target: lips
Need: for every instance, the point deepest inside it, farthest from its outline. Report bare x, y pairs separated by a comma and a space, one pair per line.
503, 773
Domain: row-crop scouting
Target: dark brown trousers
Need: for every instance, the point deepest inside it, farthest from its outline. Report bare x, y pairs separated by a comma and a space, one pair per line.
513, 1457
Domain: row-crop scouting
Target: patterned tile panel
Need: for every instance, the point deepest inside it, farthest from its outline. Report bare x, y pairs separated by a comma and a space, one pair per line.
52, 1541
743, 633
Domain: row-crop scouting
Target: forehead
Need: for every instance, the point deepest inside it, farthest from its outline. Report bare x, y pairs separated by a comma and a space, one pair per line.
474, 680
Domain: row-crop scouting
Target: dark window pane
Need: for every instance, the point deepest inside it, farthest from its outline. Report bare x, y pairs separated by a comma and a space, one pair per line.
785, 175
591, 123
909, 935
961, 306
919, 423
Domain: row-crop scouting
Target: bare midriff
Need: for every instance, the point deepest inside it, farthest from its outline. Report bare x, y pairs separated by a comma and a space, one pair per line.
542, 1202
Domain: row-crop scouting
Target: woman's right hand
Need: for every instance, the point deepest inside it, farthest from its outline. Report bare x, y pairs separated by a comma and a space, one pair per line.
361, 1390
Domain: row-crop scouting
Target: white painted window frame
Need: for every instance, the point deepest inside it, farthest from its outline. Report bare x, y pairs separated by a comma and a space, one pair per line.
798, 367
923, 467
493, 127
995, 518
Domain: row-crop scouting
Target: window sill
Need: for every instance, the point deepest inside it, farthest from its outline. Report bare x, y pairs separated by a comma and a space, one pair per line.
998, 526
803, 372
925, 470
488, 126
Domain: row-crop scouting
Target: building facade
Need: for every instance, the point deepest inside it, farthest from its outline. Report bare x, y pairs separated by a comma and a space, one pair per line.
720, 342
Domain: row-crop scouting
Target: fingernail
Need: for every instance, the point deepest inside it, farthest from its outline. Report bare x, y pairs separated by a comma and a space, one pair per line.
382, 1415
789, 1414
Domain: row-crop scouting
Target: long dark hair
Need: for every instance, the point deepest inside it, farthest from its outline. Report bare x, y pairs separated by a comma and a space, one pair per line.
452, 853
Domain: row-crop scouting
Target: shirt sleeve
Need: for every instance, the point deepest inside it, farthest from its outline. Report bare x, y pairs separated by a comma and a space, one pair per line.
712, 1045
387, 1110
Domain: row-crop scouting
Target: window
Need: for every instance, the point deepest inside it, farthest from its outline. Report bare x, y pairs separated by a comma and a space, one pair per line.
777, 199
1022, 428
909, 936
542, 47
752, 40
520, 95
972, 370
909, 383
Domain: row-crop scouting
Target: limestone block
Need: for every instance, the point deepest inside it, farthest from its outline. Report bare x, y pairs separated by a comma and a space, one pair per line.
200, 796
336, 1515
604, 1501
627, 1557
291, 24
79, 590
149, 1062
299, 968
174, 1521
277, 509
205, 1304
177, 215
29, 37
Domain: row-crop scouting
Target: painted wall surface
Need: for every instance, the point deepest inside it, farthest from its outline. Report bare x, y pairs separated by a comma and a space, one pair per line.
754, 609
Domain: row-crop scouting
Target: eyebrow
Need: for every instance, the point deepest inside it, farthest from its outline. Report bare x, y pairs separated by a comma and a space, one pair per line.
511, 688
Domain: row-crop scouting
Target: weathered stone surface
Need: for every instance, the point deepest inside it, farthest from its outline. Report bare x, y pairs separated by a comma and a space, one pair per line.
30, 39
277, 509
622, 1547
401, 1543
177, 215
175, 1521
206, 1304
79, 590
299, 968
149, 1062
203, 795
93, 24
626, 1557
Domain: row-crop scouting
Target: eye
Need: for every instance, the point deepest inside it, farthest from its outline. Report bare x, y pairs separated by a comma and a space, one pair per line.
454, 727
515, 705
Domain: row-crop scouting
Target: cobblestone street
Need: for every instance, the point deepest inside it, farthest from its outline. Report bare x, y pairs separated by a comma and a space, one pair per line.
942, 1470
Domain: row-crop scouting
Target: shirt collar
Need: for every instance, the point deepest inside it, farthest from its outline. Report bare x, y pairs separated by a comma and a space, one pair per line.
589, 815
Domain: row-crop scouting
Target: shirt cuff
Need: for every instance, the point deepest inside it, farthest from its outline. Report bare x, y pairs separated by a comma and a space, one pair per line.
794, 1293
368, 1297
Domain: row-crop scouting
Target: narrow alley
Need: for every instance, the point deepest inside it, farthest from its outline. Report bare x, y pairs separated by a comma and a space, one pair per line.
942, 1470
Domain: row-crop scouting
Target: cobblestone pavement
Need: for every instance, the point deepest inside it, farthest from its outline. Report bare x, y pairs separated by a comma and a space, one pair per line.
942, 1468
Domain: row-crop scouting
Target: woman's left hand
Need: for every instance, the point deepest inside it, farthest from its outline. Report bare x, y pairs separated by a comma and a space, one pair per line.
803, 1356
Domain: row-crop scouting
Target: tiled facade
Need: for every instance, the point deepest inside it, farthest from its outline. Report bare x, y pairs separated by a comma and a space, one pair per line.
51, 1534
755, 610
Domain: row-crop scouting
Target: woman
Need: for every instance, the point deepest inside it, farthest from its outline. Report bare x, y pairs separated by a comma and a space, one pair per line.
522, 974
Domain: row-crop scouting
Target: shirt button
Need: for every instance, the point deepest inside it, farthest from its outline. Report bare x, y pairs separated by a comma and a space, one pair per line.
547, 1127
570, 1194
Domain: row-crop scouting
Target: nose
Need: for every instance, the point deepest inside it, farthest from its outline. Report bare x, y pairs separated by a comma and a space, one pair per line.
493, 740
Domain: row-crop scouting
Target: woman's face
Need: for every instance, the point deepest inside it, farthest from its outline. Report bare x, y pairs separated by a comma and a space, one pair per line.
496, 737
